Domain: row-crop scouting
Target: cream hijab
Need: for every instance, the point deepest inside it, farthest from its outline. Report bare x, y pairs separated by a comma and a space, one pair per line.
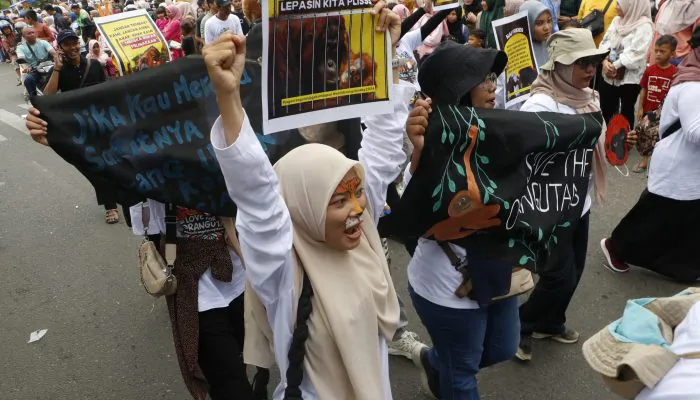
558, 84
354, 299
637, 13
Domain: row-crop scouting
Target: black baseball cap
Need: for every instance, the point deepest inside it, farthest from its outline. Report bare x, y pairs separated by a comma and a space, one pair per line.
66, 34
452, 70
222, 3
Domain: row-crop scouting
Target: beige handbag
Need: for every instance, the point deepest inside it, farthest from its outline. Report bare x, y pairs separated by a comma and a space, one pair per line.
521, 280
156, 273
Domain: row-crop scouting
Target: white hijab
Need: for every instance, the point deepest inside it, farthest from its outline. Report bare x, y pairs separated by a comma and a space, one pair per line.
637, 13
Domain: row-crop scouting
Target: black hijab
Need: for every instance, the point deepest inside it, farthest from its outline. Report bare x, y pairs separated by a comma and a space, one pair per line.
456, 28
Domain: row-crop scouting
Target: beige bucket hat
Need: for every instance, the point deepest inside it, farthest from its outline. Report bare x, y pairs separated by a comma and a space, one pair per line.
628, 367
569, 45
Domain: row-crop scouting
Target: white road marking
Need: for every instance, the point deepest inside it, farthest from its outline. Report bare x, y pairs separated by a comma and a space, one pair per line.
2, 138
13, 120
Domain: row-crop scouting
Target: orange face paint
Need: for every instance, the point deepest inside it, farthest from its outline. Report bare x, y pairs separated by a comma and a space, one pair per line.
350, 187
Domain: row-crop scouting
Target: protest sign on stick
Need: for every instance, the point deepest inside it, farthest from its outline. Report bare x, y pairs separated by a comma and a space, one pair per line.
445, 4
135, 41
513, 36
322, 58
504, 185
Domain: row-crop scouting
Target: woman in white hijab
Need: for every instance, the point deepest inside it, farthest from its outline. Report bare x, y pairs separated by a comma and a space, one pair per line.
313, 255
628, 39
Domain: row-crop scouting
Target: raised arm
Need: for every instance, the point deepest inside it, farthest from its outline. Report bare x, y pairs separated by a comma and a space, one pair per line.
263, 222
433, 23
382, 153
410, 21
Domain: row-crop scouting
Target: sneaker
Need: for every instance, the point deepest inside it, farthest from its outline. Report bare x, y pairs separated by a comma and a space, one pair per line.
430, 377
569, 336
524, 352
613, 264
407, 345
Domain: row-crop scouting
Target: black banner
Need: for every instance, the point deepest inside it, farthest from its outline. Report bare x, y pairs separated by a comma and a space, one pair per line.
147, 135
504, 185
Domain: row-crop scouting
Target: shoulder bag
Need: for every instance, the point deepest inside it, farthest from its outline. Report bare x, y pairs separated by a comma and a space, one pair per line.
157, 273
595, 21
38, 61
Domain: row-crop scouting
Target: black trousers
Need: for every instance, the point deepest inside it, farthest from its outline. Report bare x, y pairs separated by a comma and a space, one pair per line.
618, 100
661, 235
545, 310
221, 336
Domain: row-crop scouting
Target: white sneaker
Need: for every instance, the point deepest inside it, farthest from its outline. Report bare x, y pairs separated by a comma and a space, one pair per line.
408, 345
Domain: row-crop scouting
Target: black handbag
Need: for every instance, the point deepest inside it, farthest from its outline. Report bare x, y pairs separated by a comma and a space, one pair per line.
595, 21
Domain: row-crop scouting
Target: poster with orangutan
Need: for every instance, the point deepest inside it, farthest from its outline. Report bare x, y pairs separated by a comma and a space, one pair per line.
504, 185
322, 59
135, 41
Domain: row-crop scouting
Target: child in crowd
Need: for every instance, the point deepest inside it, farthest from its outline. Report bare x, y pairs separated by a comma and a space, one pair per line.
477, 38
161, 18
655, 84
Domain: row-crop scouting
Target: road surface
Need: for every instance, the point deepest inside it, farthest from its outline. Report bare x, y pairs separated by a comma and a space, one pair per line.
65, 270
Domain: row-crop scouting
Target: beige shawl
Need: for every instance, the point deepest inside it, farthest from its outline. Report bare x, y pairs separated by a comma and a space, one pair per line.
557, 84
354, 299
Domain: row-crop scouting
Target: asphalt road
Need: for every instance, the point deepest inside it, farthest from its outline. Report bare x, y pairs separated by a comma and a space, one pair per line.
65, 270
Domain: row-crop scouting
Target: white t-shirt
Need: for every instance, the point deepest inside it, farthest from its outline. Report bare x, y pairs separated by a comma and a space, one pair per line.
674, 171
408, 72
215, 27
213, 293
431, 274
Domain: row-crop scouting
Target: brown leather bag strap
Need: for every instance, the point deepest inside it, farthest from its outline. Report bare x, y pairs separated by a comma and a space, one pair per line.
454, 260
460, 265
691, 356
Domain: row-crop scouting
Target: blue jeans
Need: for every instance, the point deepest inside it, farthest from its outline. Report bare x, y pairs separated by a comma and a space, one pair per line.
30, 80
466, 340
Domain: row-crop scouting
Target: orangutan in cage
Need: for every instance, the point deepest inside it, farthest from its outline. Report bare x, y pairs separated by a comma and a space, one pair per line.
308, 54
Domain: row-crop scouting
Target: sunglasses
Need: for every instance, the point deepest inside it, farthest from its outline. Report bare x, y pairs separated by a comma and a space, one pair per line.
586, 62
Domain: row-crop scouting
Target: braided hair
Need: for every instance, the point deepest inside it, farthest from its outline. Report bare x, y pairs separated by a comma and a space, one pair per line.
297, 349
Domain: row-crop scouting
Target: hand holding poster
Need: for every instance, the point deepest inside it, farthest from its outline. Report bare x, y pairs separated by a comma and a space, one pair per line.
135, 41
504, 185
513, 36
322, 58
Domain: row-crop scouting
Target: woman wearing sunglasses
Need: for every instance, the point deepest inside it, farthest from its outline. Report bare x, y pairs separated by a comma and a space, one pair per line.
563, 87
